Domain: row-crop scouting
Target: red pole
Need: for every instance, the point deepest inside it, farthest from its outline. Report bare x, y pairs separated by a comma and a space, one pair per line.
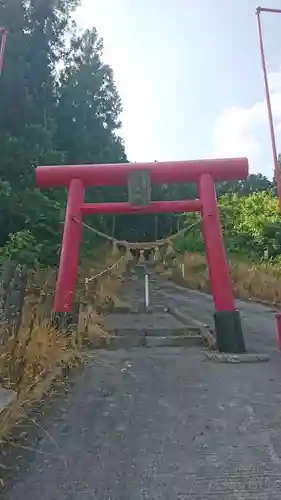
268, 102
265, 9
69, 259
4, 33
218, 266
278, 320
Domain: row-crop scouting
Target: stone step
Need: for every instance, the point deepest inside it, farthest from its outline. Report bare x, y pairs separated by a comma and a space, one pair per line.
117, 342
156, 332
139, 308
174, 341
129, 342
143, 321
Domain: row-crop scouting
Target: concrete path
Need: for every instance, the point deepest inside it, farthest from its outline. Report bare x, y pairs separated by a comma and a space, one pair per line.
258, 321
163, 423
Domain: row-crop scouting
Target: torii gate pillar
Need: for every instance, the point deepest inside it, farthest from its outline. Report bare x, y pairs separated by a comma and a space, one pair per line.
203, 172
226, 317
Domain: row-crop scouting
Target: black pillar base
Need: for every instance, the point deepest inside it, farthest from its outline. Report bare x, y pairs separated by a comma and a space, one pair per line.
229, 332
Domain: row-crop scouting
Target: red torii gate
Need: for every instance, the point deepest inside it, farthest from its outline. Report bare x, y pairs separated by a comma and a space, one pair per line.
204, 172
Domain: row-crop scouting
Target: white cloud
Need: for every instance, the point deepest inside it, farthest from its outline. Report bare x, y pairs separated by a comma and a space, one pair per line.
245, 131
155, 125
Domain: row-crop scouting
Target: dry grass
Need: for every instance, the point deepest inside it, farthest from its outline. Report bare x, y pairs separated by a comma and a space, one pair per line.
250, 281
90, 327
34, 355
103, 291
262, 281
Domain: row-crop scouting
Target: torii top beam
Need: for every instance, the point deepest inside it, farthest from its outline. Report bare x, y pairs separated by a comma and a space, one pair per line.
160, 172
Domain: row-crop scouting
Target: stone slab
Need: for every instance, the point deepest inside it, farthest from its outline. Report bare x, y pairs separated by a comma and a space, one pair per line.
237, 358
173, 341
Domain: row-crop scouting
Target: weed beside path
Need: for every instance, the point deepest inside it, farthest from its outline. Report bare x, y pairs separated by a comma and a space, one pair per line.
250, 280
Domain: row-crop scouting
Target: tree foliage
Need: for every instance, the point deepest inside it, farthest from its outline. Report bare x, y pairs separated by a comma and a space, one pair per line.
250, 224
58, 104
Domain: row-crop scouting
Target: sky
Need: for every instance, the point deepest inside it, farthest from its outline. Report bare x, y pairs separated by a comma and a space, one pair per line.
190, 77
